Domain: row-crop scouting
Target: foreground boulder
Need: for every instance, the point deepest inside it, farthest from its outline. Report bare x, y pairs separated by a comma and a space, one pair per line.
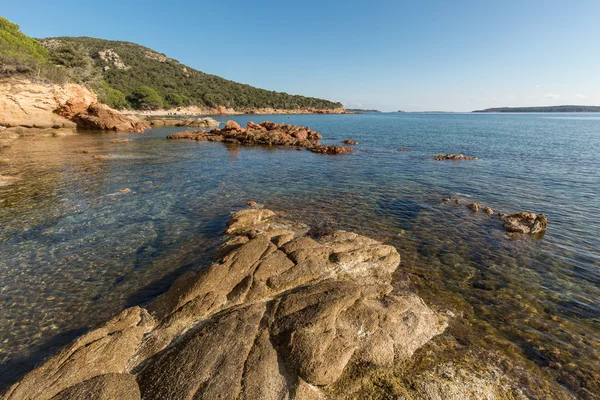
267, 134
281, 315
525, 222
455, 157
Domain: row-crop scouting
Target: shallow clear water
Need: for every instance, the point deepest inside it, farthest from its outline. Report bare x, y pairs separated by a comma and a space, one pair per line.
74, 250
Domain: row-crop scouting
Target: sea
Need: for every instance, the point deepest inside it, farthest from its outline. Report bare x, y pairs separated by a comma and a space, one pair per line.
82, 238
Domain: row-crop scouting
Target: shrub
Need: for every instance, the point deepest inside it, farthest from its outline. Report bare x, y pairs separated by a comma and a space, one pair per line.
174, 100
145, 98
112, 97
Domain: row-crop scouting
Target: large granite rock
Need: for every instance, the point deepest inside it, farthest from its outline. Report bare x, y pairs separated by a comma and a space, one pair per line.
266, 134
28, 104
101, 117
281, 315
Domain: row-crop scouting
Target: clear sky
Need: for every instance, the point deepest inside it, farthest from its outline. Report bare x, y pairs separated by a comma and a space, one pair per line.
453, 55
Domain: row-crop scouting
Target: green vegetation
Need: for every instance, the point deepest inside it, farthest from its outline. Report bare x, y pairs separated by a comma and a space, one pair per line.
145, 98
18, 52
542, 109
112, 97
177, 84
129, 75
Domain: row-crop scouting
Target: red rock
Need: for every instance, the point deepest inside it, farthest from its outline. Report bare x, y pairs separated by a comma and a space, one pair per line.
267, 134
232, 126
101, 116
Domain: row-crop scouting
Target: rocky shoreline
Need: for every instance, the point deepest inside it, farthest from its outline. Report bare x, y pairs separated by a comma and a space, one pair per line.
286, 312
30, 108
281, 315
194, 111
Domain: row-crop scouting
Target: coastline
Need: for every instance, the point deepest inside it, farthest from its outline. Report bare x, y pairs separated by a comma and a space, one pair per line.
220, 111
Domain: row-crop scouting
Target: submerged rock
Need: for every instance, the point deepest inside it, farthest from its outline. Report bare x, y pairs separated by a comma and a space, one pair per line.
122, 140
473, 207
456, 157
525, 222
350, 141
281, 315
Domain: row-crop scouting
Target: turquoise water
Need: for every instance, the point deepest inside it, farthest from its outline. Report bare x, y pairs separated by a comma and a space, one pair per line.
74, 250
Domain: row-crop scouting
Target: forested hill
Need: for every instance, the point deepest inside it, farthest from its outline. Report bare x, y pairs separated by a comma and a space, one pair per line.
543, 109
131, 68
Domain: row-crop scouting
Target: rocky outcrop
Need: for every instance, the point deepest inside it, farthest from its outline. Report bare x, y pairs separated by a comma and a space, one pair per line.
267, 134
28, 105
525, 222
281, 315
455, 157
101, 117
195, 123
32, 105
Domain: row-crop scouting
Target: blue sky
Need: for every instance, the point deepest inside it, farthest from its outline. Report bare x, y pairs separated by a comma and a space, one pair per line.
412, 55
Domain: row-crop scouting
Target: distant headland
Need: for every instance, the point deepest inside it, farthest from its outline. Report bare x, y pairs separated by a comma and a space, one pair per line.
542, 109
361, 110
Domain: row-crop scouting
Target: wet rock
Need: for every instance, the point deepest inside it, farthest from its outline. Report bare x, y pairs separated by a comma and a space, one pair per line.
457, 201
279, 316
122, 140
525, 222
456, 157
251, 204
244, 219
473, 207
350, 141
322, 149
488, 210
402, 149
446, 199
102, 351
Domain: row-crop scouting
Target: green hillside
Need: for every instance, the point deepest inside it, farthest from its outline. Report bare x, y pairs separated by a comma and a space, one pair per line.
137, 72
18, 52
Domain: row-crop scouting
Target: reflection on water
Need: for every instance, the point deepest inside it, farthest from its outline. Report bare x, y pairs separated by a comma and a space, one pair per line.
76, 247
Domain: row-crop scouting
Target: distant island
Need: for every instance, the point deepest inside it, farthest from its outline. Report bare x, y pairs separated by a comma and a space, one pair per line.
542, 109
360, 110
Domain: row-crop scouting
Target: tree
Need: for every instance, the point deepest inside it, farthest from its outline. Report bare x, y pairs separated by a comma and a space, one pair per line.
145, 98
174, 100
112, 97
